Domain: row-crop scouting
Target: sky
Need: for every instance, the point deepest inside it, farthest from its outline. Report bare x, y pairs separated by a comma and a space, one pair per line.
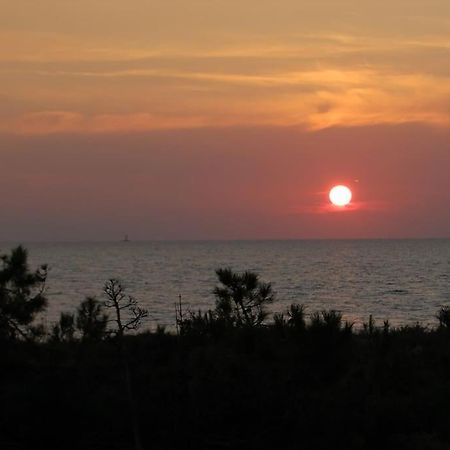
223, 119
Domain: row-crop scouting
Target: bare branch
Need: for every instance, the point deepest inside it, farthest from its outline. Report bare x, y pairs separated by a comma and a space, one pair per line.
119, 301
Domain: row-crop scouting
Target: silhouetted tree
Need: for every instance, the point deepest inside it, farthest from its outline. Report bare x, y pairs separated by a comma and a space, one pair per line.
128, 316
22, 295
91, 320
444, 317
242, 298
64, 330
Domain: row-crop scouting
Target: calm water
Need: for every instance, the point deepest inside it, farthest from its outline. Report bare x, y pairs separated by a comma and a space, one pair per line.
403, 280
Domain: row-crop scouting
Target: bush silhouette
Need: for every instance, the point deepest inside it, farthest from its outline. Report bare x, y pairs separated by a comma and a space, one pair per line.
330, 320
242, 298
444, 317
296, 316
91, 321
64, 330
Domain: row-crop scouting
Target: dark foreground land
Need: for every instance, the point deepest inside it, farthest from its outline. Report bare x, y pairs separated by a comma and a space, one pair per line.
265, 388
230, 378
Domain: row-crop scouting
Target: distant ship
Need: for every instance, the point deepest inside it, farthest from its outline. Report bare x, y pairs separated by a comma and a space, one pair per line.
125, 239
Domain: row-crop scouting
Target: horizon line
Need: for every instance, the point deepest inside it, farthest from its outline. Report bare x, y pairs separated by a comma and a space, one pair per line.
187, 240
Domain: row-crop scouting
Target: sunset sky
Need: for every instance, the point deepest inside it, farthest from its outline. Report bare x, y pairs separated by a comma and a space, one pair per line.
223, 119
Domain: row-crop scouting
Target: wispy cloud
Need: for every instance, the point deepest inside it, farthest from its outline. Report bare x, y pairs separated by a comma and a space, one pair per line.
51, 122
313, 99
311, 79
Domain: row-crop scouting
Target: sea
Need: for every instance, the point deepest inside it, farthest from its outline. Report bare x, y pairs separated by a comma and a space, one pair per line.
403, 281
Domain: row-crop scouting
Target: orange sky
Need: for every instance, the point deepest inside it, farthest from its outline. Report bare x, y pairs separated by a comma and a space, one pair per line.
223, 119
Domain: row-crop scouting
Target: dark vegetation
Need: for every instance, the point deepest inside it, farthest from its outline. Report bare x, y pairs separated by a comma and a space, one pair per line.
228, 379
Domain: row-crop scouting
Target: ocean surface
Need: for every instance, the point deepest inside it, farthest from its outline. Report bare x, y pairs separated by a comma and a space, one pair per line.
404, 281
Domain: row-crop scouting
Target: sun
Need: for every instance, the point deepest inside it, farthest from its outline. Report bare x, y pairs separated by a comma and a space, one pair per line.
340, 195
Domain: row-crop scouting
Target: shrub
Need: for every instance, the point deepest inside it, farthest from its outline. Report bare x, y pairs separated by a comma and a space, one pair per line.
444, 317
296, 316
369, 327
207, 324
64, 330
330, 320
242, 298
91, 321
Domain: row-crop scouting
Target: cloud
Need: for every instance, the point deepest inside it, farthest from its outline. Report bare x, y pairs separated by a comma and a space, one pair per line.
54, 122
75, 83
310, 99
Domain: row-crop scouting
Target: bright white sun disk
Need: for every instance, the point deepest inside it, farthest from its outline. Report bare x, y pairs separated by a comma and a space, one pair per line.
340, 195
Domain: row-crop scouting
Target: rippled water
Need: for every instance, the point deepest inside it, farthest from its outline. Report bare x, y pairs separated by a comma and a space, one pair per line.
401, 280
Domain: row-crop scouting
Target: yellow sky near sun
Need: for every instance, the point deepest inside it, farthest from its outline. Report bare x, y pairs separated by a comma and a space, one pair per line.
102, 66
